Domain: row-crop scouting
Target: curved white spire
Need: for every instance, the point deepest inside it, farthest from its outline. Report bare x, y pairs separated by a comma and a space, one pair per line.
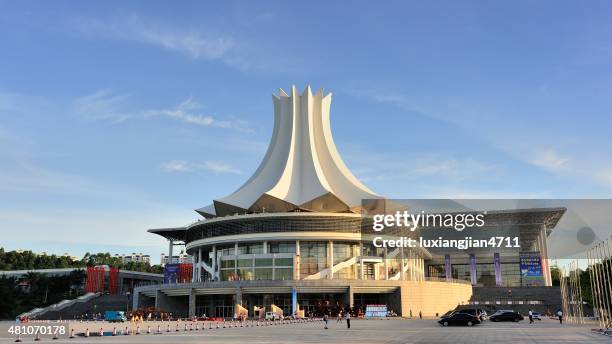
302, 169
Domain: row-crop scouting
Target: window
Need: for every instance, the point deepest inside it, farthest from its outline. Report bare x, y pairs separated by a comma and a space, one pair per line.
250, 248
313, 257
263, 273
283, 273
245, 263
281, 247
283, 262
225, 264
263, 262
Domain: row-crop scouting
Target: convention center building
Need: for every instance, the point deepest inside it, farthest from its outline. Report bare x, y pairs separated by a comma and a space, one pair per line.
291, 236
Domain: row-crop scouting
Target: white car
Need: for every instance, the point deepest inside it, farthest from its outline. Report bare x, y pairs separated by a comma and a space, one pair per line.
272, 316
536, 316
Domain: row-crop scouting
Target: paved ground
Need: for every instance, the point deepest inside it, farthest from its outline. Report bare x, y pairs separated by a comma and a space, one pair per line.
363, 331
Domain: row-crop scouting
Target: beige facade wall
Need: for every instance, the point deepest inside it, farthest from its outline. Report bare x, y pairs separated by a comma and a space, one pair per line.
431, 297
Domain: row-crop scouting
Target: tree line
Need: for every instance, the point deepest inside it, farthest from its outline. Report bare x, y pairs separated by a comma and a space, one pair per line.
26, 260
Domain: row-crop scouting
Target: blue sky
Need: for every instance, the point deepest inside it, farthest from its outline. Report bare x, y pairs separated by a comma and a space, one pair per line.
116, 117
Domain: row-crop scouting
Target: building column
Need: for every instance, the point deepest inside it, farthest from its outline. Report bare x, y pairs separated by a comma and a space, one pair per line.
238, 296
265, 247
402, 263
545, 258
330, 259
386, 275
192, 303
135, 297
170, 249
214, 263
296, 263
199, 274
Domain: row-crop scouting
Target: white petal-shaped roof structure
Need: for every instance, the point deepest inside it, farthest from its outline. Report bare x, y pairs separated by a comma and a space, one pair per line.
302, 170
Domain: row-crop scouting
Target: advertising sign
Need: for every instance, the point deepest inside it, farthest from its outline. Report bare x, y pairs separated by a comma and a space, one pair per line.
531, 269
497, 264
376, 311
473, 269
171, 273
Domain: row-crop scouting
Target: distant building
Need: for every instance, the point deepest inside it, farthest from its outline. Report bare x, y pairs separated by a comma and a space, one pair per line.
134, 257
182, 258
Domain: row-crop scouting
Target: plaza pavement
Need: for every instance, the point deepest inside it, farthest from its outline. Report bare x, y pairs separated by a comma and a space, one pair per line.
362, 331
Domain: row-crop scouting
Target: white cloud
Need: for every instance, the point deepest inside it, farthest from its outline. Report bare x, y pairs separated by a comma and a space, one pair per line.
187, 111
216, 167
192, 43
550, 160
106, 105
102, 105
176, 166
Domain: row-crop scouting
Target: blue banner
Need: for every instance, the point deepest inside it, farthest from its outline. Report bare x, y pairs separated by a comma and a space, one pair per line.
473, 269
171, 273
497, 264
531, 269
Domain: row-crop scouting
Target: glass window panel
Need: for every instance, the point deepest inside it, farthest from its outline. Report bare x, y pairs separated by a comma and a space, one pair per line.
283, 262
263, 262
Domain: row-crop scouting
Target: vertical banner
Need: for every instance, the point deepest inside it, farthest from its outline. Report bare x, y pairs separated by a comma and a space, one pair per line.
294, 302
171, 273
497, 264
473, 268
531, 269
447, 267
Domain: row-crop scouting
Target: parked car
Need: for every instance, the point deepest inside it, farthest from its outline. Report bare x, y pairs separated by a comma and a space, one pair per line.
477, 312
458, 318
272, 316
506, 316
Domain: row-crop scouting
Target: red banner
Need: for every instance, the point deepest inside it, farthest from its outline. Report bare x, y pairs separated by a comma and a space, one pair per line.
95, 279
185, 273
113, 281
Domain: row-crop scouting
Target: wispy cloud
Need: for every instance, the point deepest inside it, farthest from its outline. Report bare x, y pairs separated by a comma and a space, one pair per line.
192, 43
106, 105
216, 167
188, 111
102, 105
550, 160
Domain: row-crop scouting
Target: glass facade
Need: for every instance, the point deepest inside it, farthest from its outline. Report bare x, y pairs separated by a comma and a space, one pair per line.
485, 273
281, 247
313, 257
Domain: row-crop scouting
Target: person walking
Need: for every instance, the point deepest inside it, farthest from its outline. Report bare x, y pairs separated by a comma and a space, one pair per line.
560, 315
530, 316
420, 315
325, 320
348, 319
339, 319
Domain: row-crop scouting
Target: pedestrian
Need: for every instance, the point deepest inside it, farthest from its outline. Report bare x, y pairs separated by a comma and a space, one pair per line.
348, 319
420, 315
339, 319
530, 316
325, 320
411, 314
560, 315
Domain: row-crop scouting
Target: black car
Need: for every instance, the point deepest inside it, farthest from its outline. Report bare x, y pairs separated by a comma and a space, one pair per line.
506, 316
459, 319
